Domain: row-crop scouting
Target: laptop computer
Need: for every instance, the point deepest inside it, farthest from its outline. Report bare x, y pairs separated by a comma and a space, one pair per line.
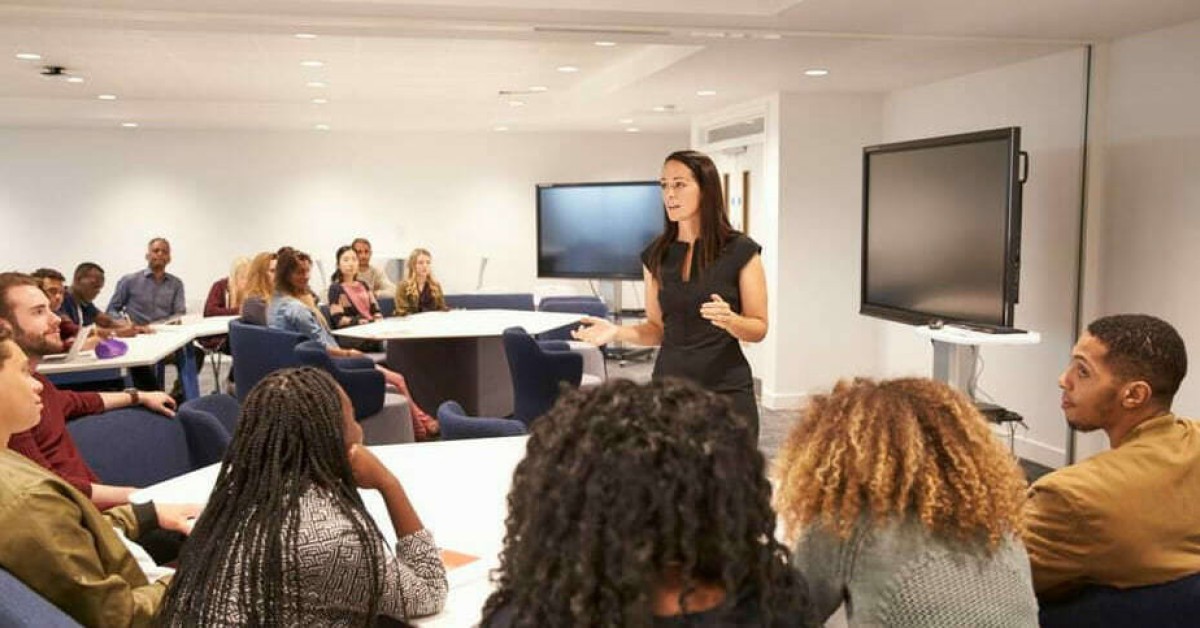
76, 351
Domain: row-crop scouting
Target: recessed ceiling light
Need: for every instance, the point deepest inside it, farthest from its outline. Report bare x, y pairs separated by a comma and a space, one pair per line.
74, 79
29, 56
625, 121
772, 36
816, 72
315, 84
320, 127
706, 92
537, 89
567, 69
662, 108
633, 129
516, 103
606, 44
107, 97
312, 64
319, 101
305, 36
500, 129
129, 125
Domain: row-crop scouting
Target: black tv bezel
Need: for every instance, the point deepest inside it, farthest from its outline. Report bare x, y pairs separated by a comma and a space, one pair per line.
584, 275
1012, 228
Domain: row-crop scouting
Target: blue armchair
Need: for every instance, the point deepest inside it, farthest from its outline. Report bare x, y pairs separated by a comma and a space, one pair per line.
1167, 605
224, 408
22, 607
207, 439
538, 370
387, 305
133, 446
500, 301
457, 425
364, 384
257, 351
591, 306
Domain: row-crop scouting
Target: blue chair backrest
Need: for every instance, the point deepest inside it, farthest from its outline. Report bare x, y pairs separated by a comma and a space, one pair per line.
591, 306
1175, 603
224, 408
207, 439
363, 383
501, 301
455, 424
387, 305
537, 374
132, 446
22, 607
257, 351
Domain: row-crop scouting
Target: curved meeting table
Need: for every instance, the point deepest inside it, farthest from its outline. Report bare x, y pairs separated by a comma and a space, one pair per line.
456, 355
459, 489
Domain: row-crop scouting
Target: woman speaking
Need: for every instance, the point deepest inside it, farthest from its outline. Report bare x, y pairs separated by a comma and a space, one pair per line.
706, 290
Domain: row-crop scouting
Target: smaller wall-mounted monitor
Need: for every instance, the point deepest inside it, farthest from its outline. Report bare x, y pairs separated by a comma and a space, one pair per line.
596, 230
942, 229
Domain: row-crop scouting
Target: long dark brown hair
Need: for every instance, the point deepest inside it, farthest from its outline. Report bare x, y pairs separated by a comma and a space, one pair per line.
715, 229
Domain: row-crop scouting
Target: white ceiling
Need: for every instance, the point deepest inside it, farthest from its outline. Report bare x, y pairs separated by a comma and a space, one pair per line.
402, 65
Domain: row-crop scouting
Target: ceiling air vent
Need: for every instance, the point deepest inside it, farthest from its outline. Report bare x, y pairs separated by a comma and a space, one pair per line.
734, 130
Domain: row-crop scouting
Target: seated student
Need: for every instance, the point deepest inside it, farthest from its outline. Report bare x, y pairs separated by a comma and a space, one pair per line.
25, 310
53, 283
419, 292
55, 540
902, 504
260, 284
293, 308
368, 274
225, 299
285, 538
148, 296
642, 506
351, 301
1130, 516
79, 306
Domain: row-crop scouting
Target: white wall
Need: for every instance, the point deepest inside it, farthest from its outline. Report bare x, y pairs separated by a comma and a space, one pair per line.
818, 334
1045, 97
67, 196
1151, 243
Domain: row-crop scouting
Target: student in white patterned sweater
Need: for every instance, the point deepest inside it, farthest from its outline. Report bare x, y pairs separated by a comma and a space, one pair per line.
285, 539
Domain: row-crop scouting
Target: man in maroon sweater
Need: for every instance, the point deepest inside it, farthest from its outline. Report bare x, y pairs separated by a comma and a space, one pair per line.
25, 309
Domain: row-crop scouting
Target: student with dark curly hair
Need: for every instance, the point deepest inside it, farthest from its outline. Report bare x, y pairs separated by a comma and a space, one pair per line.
285, 539
901, 503
642, 506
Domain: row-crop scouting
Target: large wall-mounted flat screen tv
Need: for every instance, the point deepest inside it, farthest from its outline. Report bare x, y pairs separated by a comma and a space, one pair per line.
941, 235
596, 230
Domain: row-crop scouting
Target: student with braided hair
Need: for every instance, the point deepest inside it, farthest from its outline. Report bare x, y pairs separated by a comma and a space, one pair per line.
643, 506
294, 309
285, 539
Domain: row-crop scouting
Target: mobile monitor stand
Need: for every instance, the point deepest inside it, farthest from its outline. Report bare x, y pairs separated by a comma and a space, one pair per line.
613, 289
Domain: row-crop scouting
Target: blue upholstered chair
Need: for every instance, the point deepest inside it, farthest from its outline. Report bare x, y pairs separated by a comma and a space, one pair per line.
207, 438
22, 607
224, 408
1167, 605
457, 425
365, 386
591, 306
259, 350
500, 301
385, 417
387, 305
538, 370
133, 446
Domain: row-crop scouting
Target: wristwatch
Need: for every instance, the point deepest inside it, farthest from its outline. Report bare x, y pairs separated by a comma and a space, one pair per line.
133, 395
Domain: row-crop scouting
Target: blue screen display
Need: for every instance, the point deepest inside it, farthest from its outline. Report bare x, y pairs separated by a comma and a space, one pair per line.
597, 230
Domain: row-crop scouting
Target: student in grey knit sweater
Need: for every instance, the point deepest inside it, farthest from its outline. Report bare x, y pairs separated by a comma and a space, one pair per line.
900, 503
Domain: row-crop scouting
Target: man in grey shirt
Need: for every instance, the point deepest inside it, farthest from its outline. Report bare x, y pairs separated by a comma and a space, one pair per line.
152, 294
375, 279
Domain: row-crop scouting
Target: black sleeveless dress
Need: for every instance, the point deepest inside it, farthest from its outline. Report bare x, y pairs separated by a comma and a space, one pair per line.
693, 347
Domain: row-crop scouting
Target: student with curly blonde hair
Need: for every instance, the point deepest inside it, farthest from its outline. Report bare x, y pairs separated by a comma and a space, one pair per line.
899, 501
